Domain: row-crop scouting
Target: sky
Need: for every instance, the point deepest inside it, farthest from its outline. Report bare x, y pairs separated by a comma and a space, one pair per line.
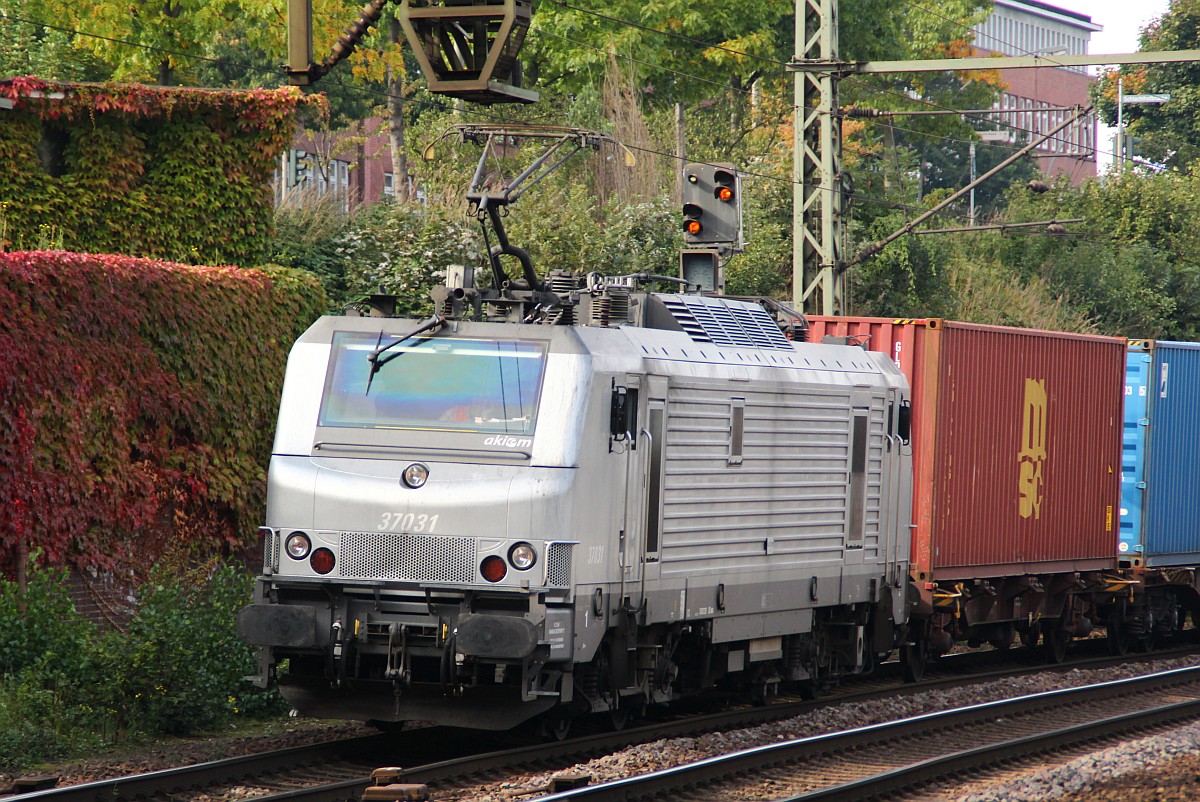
1122, 21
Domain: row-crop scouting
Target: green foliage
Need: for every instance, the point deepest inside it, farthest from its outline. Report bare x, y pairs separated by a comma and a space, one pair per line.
137, 400
307, 237
27, 48
171, 174
1136, 271
179, 668
66, 688
1171, 131
403, 248
26, 641
905, 280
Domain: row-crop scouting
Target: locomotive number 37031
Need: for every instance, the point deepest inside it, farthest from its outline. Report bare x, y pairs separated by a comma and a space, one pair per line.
407, 522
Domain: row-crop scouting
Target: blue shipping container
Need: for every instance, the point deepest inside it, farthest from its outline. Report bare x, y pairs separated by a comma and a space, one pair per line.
1160, 465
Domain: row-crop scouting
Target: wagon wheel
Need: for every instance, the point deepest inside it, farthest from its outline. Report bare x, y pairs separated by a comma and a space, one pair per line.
1116, 634
1054, 641
914, 655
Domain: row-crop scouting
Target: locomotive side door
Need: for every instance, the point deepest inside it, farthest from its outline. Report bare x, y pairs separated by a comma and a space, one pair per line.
649, 465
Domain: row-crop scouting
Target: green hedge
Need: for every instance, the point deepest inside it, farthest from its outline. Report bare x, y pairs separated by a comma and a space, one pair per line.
69, 689
138, 402
179, 174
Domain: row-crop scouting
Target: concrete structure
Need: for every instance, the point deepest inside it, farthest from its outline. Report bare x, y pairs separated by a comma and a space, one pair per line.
1042, 97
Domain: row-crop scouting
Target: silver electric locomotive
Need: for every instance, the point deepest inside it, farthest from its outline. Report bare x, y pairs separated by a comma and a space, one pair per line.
584, 499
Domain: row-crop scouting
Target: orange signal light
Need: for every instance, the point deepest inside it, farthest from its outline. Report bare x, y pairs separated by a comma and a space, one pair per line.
725, 194
692, 227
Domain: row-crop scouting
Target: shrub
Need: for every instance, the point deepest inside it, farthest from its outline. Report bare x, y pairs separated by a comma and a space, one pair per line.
179, 174
180, 667
66, 688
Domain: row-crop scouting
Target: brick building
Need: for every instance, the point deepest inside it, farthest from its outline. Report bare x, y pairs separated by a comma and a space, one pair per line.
353, 166
1042, 97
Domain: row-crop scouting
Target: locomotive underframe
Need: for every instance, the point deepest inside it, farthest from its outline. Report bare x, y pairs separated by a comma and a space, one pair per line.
376, 653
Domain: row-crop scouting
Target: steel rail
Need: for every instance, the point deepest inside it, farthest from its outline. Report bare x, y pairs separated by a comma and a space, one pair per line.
243, 769
142, 786
719, 768
928, 771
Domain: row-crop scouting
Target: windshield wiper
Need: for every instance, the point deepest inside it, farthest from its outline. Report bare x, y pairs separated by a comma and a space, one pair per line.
437, 321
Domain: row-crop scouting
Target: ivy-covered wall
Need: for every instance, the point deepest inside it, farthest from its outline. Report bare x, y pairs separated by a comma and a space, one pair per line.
179, 174
138, 402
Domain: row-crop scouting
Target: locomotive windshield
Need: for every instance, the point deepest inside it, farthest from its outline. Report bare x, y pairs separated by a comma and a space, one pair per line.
435, 383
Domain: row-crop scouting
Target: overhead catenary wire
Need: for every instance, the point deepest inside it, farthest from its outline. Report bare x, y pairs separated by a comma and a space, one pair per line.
710, 45
423, 103
447, 108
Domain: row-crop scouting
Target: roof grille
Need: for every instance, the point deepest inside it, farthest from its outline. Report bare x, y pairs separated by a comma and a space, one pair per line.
726, 322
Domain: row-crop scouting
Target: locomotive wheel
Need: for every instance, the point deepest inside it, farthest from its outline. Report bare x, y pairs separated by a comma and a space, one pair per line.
556, 725
810, 688
914, 657
619, 718
1055, 639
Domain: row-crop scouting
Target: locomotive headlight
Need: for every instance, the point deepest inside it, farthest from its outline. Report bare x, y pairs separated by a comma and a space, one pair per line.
415, 475
522, 556
298, 545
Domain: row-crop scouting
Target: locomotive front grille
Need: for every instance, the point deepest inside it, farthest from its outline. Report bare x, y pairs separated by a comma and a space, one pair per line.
270, 550
558, 565
417, 558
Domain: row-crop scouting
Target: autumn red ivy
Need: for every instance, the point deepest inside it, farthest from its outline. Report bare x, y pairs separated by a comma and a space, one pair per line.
179, 174
138, 402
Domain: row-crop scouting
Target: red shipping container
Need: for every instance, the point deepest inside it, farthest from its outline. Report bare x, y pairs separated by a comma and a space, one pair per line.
1016, 444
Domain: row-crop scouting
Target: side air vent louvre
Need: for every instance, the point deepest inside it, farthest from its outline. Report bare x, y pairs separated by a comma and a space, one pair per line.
726, 322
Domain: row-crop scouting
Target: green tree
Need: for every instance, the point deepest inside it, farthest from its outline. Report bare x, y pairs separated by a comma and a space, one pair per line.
1170, 132
1133, 267
30, 46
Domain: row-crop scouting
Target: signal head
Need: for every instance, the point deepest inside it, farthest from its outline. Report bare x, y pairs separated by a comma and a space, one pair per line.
692, 226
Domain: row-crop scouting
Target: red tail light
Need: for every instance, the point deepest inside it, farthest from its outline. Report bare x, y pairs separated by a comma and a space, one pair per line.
321, 561
493, 568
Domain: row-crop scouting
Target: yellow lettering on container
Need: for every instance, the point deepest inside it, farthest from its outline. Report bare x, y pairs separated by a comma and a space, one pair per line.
1032, 455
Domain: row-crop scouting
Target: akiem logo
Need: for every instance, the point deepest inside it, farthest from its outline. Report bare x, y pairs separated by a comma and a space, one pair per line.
506, 441
1032, 455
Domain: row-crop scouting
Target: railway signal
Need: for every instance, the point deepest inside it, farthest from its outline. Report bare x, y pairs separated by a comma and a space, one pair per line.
701, 268
712, 207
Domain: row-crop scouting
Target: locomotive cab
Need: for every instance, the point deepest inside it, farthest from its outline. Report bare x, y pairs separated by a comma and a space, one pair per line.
420, 537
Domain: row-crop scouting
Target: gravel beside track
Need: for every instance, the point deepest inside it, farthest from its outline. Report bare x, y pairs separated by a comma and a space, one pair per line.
172, 752
676, 751
1159, 768
1164, 767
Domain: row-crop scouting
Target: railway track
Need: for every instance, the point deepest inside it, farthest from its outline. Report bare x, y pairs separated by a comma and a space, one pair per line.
339, 770
886, 760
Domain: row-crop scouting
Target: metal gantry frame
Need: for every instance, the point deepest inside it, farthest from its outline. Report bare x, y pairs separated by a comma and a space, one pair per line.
819, 200
816, 170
